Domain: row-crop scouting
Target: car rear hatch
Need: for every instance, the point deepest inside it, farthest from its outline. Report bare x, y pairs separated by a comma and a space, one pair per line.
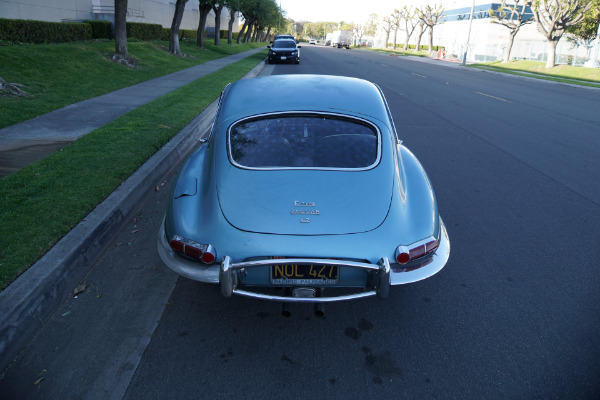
305, 202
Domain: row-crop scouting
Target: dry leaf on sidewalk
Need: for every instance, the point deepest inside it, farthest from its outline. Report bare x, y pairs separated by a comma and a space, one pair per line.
79, 289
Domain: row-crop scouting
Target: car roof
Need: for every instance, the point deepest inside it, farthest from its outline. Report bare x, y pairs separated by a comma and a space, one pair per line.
284, 40
299, 92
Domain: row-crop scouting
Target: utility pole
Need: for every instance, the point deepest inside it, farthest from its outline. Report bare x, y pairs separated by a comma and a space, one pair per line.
464, 59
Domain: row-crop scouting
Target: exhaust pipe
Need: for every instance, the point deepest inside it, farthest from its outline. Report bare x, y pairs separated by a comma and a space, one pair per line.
320, 307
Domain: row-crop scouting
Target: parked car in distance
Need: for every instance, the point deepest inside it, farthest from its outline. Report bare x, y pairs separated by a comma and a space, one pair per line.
312, 41
303, 192
284, 50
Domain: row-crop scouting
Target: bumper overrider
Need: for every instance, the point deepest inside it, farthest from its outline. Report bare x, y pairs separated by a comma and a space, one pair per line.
225, 273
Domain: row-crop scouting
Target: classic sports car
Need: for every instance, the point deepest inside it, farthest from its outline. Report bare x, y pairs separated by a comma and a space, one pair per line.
303, 194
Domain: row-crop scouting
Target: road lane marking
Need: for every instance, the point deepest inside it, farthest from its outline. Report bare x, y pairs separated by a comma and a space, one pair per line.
494, 97
420, 76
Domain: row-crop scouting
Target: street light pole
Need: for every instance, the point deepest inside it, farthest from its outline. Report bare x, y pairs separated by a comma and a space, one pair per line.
464, 60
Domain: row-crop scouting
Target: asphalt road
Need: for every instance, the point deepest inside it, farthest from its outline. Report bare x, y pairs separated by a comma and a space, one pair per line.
515, 164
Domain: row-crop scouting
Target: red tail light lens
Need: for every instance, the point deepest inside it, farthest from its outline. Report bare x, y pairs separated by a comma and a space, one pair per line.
416, 250
198, 251
402, 255
209, 255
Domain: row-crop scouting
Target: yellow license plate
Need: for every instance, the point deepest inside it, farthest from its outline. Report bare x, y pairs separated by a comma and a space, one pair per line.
310, 275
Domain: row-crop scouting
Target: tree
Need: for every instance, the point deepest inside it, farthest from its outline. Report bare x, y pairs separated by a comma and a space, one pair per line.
512, 16
174, 35
421, 26
387, 27
358, 32
370, 29
431, 17
410, 24
554, 17
234, 7
587, 30
217, 8
396, 18
204, 6
121, 29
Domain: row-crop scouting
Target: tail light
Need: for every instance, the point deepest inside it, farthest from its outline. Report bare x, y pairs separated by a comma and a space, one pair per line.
416, 250
198, 251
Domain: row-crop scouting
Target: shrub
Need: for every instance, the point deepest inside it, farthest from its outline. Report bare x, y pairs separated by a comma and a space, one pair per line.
29, 31
100, 29
142, 31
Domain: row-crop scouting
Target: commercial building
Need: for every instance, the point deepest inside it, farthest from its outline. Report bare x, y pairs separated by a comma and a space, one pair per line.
483, 40
147, 11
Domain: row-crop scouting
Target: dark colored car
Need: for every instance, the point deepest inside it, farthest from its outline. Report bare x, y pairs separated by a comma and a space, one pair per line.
284, 50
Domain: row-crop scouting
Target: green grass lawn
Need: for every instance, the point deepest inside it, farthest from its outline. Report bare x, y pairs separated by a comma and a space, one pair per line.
399, 52
42, 202
61, 74
560, 73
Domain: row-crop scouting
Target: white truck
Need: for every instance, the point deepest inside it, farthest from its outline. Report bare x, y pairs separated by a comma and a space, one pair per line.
341, 39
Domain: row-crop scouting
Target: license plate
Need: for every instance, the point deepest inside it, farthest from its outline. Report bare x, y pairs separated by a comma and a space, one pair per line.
310, 275
283, 57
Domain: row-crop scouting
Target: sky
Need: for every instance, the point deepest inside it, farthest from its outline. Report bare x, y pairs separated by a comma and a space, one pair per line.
336, 10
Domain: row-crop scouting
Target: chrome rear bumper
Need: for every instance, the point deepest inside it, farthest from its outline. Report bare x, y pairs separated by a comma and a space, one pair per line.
225, 272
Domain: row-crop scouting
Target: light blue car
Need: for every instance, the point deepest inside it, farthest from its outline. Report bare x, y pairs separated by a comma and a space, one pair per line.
303, 192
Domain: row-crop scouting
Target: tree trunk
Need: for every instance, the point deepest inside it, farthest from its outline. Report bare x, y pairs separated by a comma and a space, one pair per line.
418, 48
431, 39
217, 9
551, 62
395, 37
204, 10
509, 45
121, 28
256, 35
249, 31
241, 32
230, 27
174, 35
387, 38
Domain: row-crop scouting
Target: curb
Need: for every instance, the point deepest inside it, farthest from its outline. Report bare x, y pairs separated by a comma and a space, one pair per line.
33, 297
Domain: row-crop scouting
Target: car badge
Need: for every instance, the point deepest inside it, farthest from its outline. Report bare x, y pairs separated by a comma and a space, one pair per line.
303, 211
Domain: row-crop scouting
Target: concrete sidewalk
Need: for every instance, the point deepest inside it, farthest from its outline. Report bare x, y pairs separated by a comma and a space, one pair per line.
32, 299
29, 141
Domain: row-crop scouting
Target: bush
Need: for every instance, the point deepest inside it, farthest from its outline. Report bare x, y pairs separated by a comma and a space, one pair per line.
142, 31
100, 29
29, 31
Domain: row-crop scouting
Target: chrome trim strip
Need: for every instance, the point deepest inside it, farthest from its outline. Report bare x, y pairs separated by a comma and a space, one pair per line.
304, 299
305, 261
307, 113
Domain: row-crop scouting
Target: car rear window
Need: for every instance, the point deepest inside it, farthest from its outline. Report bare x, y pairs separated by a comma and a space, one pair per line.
284, 44
303, 141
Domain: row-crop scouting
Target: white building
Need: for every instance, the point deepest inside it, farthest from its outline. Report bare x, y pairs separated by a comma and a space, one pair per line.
147, 11
487, 40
